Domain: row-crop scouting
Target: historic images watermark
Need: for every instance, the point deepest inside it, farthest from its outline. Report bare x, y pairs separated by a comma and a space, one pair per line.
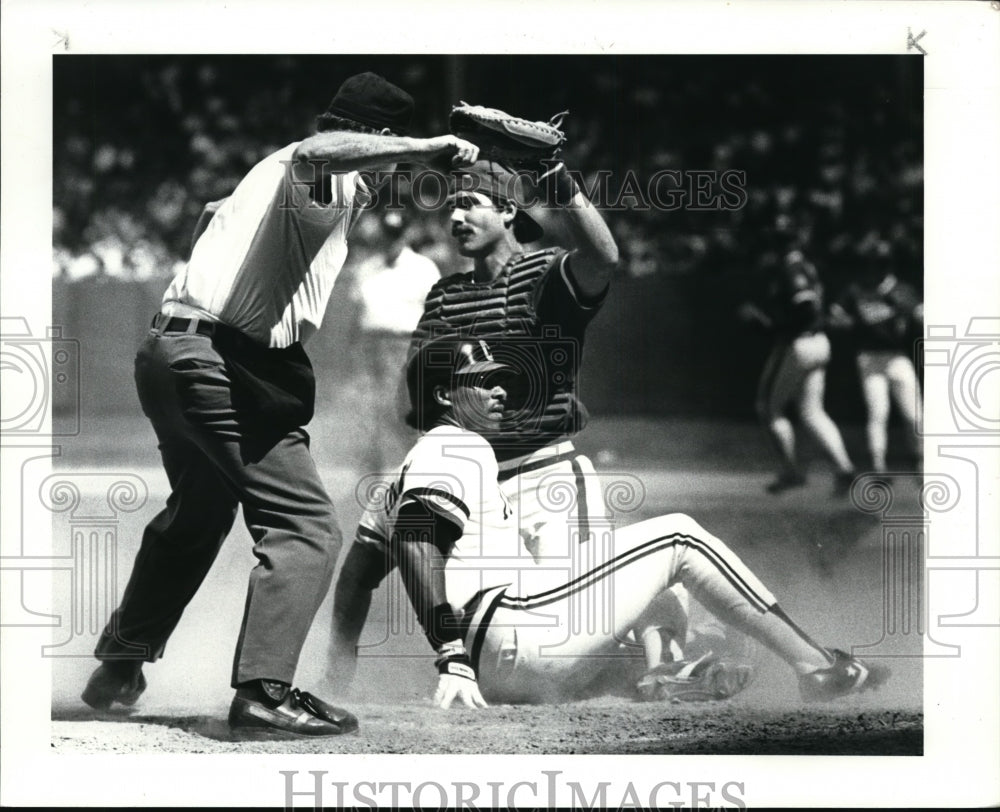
963, 360
73, 550
698, 190
920, 572
966, 365
549, 789
41, 379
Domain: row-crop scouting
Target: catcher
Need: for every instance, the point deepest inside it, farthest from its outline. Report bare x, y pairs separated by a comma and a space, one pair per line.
536, 304
506, 629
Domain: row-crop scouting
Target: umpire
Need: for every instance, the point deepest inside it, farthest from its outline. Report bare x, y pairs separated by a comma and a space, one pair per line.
227, 385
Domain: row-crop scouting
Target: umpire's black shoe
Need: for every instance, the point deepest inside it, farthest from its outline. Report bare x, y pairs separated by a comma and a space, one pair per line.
267, 709
118, 681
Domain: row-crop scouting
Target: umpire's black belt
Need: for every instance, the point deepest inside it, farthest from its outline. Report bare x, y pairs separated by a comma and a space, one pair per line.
230, 336
175, 324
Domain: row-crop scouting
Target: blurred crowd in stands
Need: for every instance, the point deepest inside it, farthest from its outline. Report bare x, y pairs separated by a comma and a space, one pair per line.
831, 148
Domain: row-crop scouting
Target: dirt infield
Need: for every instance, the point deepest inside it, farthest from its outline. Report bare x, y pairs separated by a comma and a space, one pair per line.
603, 726
820, 555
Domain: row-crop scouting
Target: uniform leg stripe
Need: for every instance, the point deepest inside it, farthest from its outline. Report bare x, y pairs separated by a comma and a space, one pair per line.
779, 612
648, 548
480, 636
582, 581
728, 572
581, 501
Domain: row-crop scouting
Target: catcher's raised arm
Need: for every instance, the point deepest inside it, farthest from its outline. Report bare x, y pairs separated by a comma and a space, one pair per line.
533, 149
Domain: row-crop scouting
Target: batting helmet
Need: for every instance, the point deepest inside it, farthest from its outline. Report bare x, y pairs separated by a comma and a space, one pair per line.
443, 360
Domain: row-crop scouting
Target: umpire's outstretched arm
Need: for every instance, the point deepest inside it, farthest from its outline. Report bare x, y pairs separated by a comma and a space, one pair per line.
344, 151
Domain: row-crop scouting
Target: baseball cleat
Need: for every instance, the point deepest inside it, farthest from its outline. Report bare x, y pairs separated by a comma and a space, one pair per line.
287, 713
786, 482
703, 680
114, 681
847, 675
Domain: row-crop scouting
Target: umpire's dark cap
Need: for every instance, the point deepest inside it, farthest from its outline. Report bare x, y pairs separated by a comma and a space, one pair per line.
375, 102
501, 186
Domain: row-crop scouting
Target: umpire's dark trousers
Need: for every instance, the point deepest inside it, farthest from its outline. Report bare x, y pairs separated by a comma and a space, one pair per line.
215, 462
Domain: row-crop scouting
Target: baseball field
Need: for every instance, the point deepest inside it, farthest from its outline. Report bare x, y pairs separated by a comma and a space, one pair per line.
821, 555
666, 343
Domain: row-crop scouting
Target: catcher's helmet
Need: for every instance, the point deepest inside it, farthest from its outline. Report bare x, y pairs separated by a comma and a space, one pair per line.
442, 360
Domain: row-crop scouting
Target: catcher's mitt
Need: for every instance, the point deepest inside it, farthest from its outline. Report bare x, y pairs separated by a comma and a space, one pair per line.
514, 143
706, 679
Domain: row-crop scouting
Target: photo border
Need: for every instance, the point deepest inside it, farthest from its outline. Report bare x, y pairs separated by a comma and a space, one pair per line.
960, 45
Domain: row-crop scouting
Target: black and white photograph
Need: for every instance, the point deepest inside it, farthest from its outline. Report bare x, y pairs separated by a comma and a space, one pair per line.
453, 421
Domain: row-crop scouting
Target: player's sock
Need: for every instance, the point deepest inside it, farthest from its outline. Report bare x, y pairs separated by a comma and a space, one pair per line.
878, 446
775, 630
783, 636
828, 435
727, 588
782, 434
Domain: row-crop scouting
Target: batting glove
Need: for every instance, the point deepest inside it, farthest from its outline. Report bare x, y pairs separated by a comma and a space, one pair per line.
456, 678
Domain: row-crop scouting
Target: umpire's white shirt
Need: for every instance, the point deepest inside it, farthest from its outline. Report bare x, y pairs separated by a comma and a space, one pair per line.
267, 262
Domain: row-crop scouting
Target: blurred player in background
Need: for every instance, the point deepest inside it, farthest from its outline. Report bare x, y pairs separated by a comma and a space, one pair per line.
225, 381
795, 372
389, 289
885, 317
506, 628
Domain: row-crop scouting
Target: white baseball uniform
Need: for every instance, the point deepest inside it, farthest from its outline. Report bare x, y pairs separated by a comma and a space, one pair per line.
534, 630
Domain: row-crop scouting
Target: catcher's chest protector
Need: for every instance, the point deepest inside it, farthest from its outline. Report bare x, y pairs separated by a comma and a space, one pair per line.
505, 306
508, 306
